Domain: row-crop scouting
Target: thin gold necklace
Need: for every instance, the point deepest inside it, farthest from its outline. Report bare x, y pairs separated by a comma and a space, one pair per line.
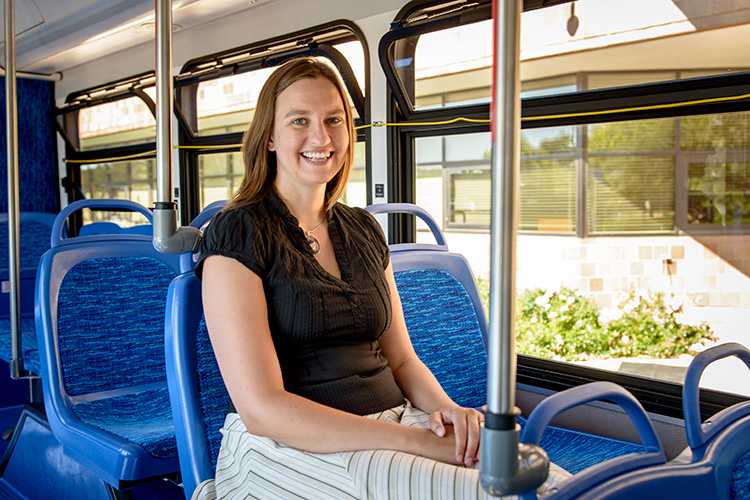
312, 240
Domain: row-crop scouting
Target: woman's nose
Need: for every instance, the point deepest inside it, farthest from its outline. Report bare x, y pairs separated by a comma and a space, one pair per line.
319, 134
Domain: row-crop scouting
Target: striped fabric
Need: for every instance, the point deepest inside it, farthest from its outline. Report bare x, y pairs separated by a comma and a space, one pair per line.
255, 467
447, 339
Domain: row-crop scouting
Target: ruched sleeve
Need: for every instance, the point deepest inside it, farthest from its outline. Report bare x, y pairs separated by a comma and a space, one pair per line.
233, 233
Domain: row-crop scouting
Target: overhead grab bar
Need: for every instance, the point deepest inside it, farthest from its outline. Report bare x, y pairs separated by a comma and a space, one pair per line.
506, 466
168, 237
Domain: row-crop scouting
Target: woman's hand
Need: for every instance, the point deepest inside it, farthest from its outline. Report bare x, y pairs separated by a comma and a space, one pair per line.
466, 424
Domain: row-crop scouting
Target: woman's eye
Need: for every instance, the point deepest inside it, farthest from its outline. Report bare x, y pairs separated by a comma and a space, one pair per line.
299, 121
335, 119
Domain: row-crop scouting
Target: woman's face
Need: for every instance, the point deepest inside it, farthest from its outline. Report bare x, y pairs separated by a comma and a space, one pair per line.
310, 135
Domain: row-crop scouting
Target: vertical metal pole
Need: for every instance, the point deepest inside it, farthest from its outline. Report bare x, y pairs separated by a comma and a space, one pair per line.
168, 238
506, 120
11, 116
164, 105
505, 466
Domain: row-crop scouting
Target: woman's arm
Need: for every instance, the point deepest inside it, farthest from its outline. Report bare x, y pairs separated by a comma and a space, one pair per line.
236, 314
421, 387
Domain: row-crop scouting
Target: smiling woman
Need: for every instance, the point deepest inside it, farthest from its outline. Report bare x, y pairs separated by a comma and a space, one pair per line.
308, 330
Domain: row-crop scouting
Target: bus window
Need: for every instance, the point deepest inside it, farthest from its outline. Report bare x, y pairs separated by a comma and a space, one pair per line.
227, 104
220, 174
111, 154
119, 123
576, 46
632, 228
224, 106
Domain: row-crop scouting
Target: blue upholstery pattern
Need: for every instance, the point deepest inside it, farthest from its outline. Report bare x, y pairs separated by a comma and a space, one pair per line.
439, 312
739, 488
143, 418
33, 240
29, 345
93, 312
213, 395
38, 177
197, 393
576, 451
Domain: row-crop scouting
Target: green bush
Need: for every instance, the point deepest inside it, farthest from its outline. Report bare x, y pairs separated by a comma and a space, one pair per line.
560, 324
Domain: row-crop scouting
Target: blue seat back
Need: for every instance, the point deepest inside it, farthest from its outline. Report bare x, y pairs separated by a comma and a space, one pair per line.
101, 301
197, 393
443, 311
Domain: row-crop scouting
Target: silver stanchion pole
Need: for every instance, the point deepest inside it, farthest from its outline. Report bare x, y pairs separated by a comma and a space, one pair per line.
506, 466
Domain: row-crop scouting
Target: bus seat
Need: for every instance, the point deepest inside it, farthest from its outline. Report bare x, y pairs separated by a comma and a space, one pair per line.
448, 327
100, 323
649, 455
443, 310
106, 227
29, 345
716, 463
197, 393
188, 259
723, 440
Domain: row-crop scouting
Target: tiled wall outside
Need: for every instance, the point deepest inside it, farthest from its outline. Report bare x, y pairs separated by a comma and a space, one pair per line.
713, 271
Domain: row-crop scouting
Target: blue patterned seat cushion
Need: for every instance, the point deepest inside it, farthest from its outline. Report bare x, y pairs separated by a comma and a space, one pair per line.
445, 332
576, 451
29, 347
213, 394
143, 418
110, 323
739, 488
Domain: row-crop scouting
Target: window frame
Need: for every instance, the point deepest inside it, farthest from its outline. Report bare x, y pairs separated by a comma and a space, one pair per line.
653, 100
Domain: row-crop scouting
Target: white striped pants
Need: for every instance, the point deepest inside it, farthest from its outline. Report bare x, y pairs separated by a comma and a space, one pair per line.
255, 467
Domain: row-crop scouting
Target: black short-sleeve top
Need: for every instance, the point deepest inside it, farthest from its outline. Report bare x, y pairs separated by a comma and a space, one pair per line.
325, 329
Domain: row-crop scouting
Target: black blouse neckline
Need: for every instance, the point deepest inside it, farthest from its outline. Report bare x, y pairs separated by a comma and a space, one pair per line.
339, 251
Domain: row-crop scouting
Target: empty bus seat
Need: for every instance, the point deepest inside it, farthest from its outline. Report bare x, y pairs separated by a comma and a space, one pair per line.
100, 321
650, 454
109, 227
35, 229
448, 328
443, 310
715, 465
197, 393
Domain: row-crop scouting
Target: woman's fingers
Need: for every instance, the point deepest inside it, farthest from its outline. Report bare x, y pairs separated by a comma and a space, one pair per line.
436, 423
466, 424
